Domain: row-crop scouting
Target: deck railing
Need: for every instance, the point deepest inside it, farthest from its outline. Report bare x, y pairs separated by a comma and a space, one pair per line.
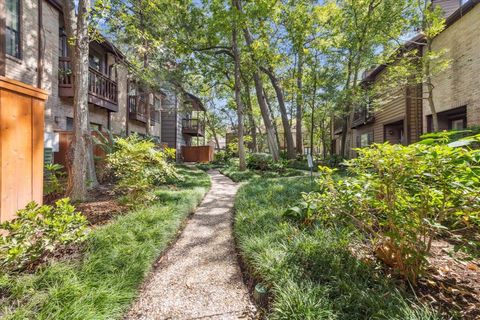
100, 86
192, 126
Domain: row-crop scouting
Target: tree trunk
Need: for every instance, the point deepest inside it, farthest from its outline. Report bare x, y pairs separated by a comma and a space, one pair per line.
251, 118
80, 156
214, 131
287, 130
238, 93
298, 133
274, 121
429, 84
272, 146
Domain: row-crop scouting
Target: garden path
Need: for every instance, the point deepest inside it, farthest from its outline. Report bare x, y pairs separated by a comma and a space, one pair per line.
199, 277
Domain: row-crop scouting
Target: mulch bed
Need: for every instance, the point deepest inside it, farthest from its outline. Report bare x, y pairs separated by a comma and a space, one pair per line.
451, 284
101, 205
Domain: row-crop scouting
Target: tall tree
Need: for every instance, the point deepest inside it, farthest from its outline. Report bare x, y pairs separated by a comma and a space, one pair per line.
81, 165
238, 86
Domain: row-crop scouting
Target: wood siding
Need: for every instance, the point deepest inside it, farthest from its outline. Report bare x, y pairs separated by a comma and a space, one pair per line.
448, 6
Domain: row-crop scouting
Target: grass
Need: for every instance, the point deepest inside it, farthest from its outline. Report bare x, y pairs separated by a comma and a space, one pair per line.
310, 272
117, 258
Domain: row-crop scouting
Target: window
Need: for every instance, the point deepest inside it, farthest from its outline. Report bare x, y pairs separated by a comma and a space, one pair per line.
12, 34
93, 126
365, 139
457, 124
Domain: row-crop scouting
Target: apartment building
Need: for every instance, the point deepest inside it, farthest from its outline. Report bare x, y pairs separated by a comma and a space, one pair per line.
406, 114
35, 51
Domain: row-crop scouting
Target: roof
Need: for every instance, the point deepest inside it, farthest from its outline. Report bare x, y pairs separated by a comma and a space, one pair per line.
413, 42
195, 101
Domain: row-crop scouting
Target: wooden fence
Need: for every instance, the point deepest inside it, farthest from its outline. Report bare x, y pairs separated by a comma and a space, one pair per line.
197, 153
21, 146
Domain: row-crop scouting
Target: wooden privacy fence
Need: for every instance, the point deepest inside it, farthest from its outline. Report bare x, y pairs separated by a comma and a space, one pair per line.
197, 153
21, 146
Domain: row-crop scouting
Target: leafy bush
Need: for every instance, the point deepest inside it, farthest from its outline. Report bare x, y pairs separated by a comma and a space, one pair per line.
222, 157
37, 230
138, 167
446, 137
170, 154
332, 161
264, 162
53, 175
402, 197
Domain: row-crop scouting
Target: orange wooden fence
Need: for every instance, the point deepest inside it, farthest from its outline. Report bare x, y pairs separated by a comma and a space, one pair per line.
197, 153
21, 145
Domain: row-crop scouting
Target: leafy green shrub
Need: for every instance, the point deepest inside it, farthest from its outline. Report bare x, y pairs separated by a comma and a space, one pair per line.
402, 197
38, 230
332, 161
138, 167
221, 157
53, 175
446, 137
264, 162
170, 154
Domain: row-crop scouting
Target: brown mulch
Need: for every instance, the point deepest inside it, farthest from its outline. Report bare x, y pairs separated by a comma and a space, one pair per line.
101, 205
451, 284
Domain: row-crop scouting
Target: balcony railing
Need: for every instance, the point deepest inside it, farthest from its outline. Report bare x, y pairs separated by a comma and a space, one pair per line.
137, 109
361, 117
192, 127
102, 91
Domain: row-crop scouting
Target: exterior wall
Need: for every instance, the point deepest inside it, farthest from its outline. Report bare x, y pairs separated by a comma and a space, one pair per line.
25, 69
448, 6
119, 119
459, 84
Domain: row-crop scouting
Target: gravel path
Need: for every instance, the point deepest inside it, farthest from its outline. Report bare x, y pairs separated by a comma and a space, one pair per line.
199, 278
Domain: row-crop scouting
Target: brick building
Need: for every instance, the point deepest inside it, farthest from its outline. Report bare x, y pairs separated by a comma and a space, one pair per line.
34, 50
406, 115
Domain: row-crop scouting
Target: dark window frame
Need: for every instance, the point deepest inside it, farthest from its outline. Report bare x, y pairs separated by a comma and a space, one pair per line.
19, 48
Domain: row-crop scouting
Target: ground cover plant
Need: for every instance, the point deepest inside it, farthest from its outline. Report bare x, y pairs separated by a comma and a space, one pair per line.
102, 281
310, 271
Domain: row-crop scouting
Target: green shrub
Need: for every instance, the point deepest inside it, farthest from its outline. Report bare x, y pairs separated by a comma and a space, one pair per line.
37, 230
53, 175
264, 162
403, 197
138, 167
221, 157
170, 154
332, 161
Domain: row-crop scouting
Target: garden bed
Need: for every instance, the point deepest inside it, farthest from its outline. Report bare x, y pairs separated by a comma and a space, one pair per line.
101, 279
322, 273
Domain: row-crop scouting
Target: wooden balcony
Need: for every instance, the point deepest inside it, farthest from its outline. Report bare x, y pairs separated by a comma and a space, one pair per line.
362, 117
137, 109
102, 91
193, 127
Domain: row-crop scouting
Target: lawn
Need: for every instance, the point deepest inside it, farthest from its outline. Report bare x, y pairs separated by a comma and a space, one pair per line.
115, 260
310, 272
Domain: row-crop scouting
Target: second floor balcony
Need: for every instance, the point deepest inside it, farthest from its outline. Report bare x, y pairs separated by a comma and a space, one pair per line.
102, 91
193, 127
137, 108
362, 116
